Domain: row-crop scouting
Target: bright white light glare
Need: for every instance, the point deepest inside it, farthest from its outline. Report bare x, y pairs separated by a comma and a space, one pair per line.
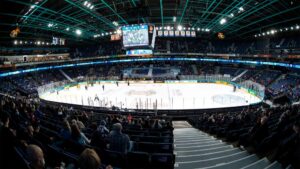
88, 5
85, 3
168, 28
50, 25
32, 6
115, 23
292, 28
78, 32
207, 30
241, 9
297, 27
272, 32
198, 29
268, 33
92, 7
223, 21
38, 42
231, 15
15, 42
67, 29
119, 31
255, 35
263, 34
179, 27
174, 18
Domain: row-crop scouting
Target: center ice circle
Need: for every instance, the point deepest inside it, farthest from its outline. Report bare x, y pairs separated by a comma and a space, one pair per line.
149, 95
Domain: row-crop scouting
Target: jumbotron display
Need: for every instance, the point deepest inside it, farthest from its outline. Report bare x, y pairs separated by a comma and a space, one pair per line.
135, 35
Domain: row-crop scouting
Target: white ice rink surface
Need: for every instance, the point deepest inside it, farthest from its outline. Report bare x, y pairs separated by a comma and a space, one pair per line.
152, 95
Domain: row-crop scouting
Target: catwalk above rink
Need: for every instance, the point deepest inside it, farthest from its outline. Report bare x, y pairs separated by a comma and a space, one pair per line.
152, 96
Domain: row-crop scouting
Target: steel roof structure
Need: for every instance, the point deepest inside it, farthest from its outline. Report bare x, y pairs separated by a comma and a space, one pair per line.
46, 18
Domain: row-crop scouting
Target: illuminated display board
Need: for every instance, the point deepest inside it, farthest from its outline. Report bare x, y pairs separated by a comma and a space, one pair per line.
228, 61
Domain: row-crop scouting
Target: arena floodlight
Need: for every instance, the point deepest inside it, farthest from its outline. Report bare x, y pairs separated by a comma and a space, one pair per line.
67, 29
38, 42
92, 7
268, 33
198, 29
286, 29
179, 27
280, 30
85, 3
174, 18
207, 30
255, 35
231, 15
88, 5
15, 42
241, 9
292, 28
50, 25
119, 31
297, 27
78, 32
223, 21
263, 34
168, 28
25, 42
272, 32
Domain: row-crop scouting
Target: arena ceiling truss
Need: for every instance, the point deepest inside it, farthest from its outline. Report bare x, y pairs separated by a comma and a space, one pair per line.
46, 18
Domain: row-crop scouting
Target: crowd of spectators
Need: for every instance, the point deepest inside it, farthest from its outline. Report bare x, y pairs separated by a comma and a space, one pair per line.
271, 132
39, 136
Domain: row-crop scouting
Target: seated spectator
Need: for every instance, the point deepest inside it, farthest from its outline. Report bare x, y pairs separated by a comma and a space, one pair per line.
8, 140
35, 156
99, 136
65, 132
78, 136
156, 124
117, 140
89, 159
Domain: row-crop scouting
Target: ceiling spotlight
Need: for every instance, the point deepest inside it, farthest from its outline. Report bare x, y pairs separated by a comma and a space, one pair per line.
286, 29
92, 7
198, 29
67, 29
168, 28
85, 3
179, 27
88, 5
241, 9
272, 32
231, 15
223, 21
38, 43
78, 32
263, 34
174, 18
207, 30
292, 28
15, 42
255, 35
280, 30
119, 31
268, 33
115, 23
297, 27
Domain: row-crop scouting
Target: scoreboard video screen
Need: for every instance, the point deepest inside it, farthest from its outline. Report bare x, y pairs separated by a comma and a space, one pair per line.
135, 35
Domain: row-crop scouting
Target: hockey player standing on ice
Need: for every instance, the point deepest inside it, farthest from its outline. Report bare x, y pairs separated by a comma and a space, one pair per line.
96, 98
117, 83
103, 87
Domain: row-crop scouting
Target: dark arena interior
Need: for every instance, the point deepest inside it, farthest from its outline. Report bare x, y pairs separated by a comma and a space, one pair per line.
149, 84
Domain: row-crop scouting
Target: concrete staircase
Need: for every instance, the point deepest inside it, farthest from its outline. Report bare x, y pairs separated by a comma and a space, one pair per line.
196, 149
